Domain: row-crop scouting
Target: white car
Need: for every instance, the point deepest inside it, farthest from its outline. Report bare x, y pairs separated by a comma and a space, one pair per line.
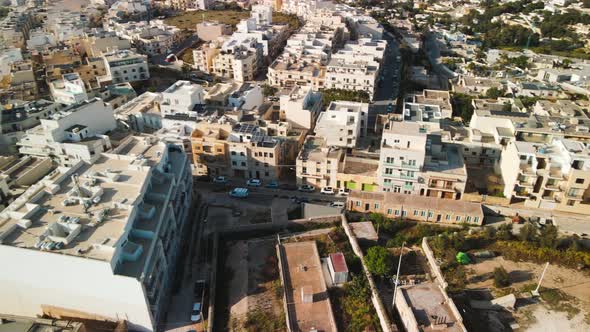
343, 192
220, 179
339, 205
328, 191
196, 312
254, 183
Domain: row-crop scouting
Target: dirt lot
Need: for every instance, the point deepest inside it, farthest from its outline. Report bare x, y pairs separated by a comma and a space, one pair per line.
569, 311
253, 287
571, 282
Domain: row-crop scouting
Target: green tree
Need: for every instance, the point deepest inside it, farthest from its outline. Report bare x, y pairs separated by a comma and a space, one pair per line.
462, 106
528, 233
494, 93
501, 277
548, 236
4, 11
269, 90
379, 261
504, 232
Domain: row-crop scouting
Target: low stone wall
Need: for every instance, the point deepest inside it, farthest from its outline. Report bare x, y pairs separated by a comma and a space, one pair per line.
440, 280
386, 324
442, 284
285, 294
318, 220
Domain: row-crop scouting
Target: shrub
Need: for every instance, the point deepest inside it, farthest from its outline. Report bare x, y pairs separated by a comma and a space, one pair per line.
501, 278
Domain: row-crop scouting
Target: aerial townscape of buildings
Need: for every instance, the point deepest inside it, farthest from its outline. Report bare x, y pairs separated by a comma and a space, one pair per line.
294, 165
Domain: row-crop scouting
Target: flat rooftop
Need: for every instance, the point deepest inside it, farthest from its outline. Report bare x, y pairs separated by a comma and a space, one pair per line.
303, 273
428, 304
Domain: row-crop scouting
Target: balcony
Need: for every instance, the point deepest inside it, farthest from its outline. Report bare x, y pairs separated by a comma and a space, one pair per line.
400, 176
527, 169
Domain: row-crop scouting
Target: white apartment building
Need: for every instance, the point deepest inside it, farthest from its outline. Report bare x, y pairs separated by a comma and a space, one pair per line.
236, 58
352, 74
151, 38
19, 116
414, 160
142, 113
125, 66
262, 14
343, 123
189, 4
553, 175
72, 134
301, 106
68, 90
87, 236
181, 98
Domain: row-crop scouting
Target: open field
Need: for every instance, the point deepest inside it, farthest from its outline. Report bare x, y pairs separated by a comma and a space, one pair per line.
189, 20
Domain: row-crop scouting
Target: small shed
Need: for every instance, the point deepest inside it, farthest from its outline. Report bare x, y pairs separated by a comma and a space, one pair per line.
338, 268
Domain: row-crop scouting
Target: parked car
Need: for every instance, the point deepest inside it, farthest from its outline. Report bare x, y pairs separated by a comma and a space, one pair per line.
239, 192
307, 188
343, 192
220, 179
254, 183
196, 312
272, 185
340, 205
171, 58
328, 191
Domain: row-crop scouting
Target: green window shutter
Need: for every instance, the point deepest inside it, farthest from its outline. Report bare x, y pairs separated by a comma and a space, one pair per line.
351, 185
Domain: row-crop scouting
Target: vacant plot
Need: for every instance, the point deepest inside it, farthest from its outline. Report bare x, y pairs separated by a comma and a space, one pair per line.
255, 298
189, 20
543, 319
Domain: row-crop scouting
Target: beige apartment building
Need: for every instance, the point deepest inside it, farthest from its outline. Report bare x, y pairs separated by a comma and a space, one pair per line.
209, 31
318, 163
240, 150
552, 176
419, 208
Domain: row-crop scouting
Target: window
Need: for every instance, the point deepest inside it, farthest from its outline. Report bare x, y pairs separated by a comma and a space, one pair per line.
234, 163
579, 181
415, 212
358, 203
404, 213
389, 170
422, 213
233, 153
430, 214
570, 202
476, 219
270, 155
397, 212
448, 217
389, 211
458, 218
468, 219
243, 163
389, 160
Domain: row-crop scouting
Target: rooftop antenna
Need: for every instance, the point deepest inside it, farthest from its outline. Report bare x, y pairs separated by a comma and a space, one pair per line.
399, 264
535, 292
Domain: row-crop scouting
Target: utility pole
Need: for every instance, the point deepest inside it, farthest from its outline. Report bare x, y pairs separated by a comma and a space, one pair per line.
536, 291
399, 264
